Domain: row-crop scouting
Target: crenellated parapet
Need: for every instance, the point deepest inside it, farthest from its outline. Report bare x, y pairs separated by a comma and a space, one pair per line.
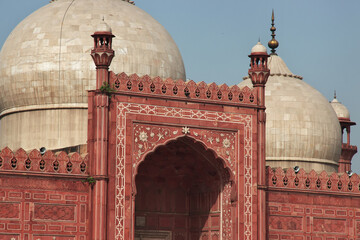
58, 163
181, 89
312, 181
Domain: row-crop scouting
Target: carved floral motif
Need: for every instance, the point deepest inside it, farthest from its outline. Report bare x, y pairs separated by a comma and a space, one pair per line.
147, 137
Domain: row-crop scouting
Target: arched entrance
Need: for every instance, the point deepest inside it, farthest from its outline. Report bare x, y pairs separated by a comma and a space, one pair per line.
179, 193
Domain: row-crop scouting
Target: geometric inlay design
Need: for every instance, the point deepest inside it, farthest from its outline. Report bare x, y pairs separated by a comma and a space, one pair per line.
9, 210
54, 212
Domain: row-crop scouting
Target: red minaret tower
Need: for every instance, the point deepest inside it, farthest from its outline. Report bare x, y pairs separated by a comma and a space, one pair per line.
347, 150
259, 73
102, 55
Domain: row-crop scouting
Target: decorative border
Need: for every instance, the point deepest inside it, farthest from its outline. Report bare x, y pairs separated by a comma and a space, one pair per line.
148, 137
37, 163
124, 108
183, 89
310, 181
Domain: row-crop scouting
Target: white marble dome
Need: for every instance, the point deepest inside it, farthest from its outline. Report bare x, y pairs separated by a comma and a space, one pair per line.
340, 110
302, 129
46, 67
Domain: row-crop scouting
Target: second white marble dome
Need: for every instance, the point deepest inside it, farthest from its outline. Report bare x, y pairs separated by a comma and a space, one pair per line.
302, 129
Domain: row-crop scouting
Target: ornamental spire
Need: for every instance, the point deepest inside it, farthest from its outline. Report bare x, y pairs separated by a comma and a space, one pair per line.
273, 43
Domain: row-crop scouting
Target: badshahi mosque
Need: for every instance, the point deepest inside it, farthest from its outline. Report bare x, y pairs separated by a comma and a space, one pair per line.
128, 148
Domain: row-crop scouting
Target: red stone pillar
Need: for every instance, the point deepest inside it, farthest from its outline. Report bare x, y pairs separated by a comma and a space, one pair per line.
102, 55
259, 74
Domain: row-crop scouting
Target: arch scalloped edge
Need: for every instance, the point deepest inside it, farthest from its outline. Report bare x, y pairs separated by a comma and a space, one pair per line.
225, 169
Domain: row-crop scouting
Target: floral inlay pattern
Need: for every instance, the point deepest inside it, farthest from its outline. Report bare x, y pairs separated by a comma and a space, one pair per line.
147, 137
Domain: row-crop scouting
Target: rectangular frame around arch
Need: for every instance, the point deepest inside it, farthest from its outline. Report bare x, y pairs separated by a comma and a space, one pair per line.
245, 120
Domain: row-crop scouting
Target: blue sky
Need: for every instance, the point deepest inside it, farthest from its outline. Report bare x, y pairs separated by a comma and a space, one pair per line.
318, 40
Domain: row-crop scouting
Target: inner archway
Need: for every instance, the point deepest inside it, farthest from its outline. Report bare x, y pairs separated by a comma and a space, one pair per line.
179, 190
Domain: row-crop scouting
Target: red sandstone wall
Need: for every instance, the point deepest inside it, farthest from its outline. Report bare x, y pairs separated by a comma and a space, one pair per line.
43, 197
313, 206
212, 112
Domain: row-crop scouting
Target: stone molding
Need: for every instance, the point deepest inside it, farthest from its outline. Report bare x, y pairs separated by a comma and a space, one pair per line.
44, 107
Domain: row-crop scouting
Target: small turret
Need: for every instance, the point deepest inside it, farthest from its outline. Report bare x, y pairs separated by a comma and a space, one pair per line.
347, 150
102, 53
259, 71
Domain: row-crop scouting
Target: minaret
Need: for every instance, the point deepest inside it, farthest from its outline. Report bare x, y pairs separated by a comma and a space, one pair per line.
259, 73
102, 55
347, 150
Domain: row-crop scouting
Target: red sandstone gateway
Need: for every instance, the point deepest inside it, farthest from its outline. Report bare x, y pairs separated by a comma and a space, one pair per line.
175, 159
169, 159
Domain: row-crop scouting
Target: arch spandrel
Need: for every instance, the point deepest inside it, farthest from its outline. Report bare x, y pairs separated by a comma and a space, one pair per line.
221, 144
227, 176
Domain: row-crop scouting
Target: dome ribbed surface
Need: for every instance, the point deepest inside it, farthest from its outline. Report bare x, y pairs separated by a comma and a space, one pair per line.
29, 59
302, 129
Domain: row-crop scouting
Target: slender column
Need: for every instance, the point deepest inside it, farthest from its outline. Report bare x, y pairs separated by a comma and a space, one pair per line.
261, 166
100, 167
102, 55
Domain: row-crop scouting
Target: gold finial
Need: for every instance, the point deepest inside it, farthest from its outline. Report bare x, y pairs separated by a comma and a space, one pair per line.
273, 43
334, 94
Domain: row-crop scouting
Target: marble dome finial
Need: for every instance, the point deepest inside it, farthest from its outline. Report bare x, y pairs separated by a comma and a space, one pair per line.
273, 43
